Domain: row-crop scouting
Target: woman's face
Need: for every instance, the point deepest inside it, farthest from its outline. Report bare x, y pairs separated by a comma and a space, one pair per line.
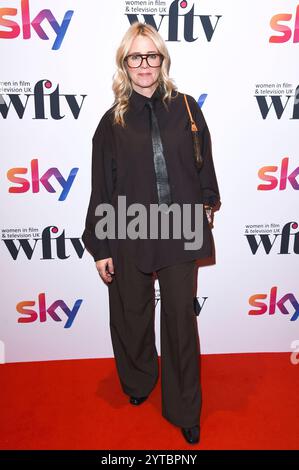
144, 78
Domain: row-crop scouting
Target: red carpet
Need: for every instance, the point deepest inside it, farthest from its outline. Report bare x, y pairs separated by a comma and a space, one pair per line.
250, 401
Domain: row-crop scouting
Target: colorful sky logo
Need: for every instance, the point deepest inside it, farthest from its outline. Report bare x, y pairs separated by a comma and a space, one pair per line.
27, 24
281, 180
286, 31
37, 180
274, 305
42, 312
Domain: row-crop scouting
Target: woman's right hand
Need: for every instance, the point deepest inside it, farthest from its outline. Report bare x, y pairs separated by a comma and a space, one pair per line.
105, 269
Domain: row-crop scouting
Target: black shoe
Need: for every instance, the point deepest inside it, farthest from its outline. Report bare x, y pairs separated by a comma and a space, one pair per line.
191, 434
137, 401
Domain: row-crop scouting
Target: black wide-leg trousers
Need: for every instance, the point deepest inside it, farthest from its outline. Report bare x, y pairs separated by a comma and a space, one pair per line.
132, 327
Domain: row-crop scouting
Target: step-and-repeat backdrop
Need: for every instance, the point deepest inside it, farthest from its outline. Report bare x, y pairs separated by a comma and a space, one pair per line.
239, 60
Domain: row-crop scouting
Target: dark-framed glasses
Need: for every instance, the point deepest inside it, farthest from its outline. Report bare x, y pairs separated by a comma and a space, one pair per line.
135, 60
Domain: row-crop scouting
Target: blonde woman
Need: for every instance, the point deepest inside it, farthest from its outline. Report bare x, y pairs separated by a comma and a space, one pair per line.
143, 152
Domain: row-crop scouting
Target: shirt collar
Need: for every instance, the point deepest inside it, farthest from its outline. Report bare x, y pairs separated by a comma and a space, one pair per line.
138, 100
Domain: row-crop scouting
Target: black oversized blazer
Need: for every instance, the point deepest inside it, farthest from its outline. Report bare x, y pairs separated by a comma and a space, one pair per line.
122, 164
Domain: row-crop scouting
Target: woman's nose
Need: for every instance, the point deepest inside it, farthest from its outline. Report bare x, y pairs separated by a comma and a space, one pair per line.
144, 63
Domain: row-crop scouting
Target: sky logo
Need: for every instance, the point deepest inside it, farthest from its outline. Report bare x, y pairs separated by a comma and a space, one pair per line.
284, 29
36, 180
273, 304
202, 99
281, 180
43, 312
35, 23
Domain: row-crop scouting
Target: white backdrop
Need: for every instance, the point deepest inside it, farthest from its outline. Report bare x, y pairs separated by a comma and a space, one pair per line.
54, 88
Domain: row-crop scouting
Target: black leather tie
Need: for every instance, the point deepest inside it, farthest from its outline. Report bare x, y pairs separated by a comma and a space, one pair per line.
164, 194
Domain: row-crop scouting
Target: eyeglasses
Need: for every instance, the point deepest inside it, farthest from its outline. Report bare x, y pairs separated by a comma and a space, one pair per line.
135, 60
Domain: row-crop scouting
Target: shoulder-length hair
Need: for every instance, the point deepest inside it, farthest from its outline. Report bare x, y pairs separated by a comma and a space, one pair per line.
121, 86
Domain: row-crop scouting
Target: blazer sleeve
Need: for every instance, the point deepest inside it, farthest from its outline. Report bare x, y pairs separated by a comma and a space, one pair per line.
207, 174
102, 185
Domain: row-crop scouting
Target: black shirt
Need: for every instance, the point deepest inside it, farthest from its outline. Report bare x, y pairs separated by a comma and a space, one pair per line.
122, 164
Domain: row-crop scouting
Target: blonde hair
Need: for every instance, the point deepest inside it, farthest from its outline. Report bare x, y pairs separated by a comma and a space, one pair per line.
121, 86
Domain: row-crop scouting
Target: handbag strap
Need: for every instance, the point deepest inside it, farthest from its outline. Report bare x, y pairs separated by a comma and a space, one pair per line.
193, 125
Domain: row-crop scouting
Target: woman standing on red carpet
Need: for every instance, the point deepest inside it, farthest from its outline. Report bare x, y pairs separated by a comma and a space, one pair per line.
143, 151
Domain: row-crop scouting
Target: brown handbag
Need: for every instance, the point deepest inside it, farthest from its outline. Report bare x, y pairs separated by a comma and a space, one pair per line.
198, 160
195, 137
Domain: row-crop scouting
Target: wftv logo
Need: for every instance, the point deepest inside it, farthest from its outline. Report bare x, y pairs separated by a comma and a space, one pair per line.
264, 240
54, 98
204, 22
277, 104
14, 29
36, 180
42, 312
45, 242
273, 303
280, 181
286, 31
